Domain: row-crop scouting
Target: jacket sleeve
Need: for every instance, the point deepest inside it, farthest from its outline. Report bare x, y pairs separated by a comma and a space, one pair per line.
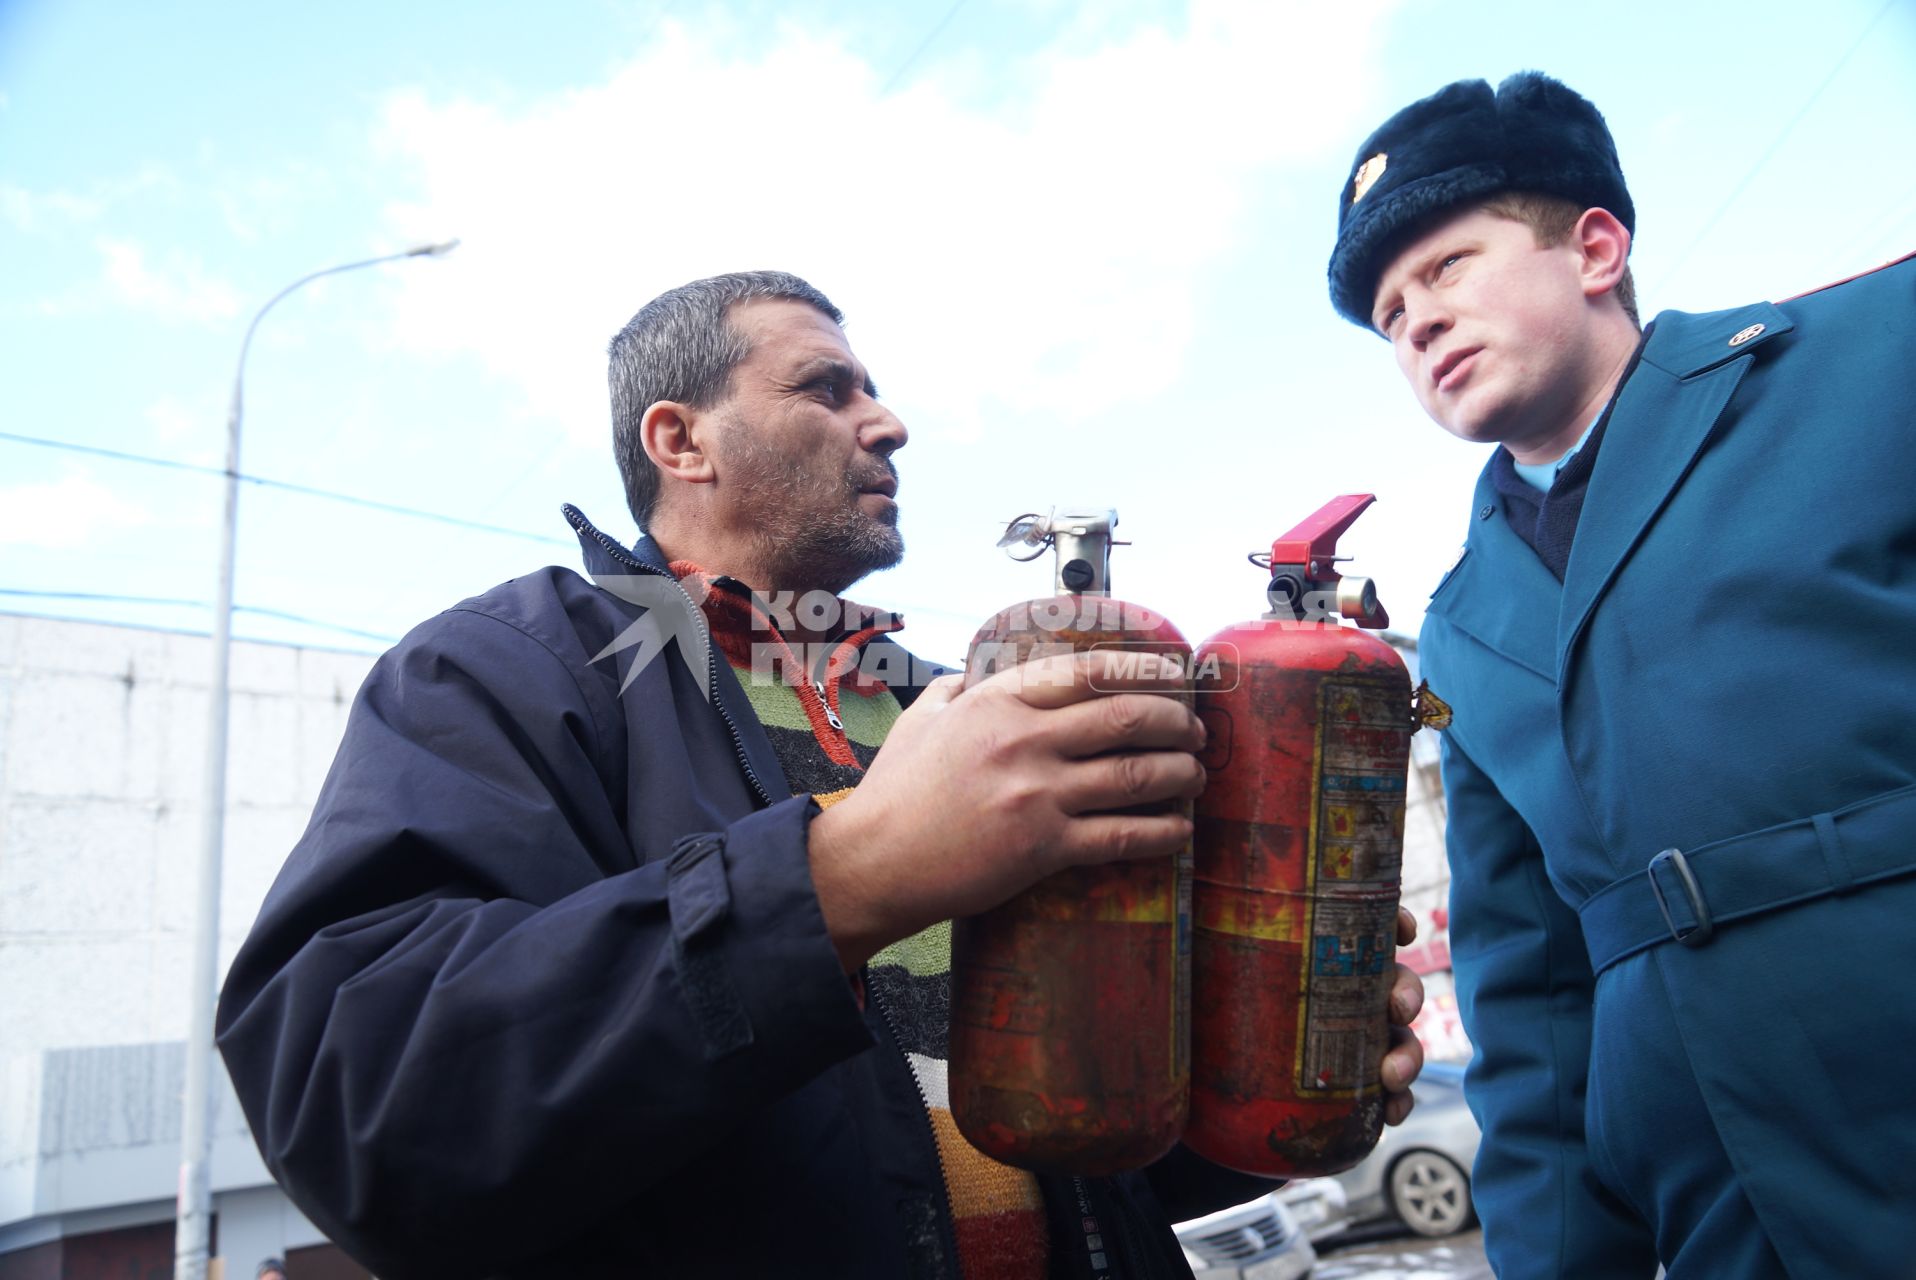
467, 1025
1524, 988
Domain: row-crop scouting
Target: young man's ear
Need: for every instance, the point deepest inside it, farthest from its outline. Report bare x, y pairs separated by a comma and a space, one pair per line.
668, 432
1603, 243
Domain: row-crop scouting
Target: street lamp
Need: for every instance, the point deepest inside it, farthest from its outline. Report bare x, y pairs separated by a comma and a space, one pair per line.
196, 1126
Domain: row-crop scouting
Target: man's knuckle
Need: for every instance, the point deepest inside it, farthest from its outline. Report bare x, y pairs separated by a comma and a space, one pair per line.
1134, 775
1124, 716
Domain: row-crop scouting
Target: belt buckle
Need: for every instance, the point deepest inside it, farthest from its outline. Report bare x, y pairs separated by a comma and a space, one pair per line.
1700, 932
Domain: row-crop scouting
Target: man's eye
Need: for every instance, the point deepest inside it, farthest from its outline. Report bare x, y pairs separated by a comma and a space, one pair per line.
1391, 318
827, 388
1451, 261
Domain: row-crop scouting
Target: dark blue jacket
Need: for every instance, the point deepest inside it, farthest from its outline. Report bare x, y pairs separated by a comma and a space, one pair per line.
544, 990
1728, 669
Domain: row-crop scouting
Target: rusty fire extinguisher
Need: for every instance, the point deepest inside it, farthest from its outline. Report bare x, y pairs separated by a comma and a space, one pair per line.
1299, 851
1070, 1018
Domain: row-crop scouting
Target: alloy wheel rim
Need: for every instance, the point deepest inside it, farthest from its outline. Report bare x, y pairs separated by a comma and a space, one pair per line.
1430, 1194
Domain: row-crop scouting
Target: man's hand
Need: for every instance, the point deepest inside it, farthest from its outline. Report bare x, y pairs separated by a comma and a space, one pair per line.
980, 793
1405, 1058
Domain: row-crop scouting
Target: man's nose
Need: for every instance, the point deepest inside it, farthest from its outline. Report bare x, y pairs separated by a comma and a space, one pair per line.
1424, 318
882, 432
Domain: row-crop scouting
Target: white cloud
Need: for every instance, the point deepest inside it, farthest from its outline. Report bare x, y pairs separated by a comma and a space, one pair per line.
1042, 252
71, 512
32, 211
177, 288
259, 206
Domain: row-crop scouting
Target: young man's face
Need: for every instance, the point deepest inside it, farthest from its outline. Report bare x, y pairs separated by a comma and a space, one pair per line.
1495, 333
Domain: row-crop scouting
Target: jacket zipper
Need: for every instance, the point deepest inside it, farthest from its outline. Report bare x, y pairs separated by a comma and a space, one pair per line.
947, 1231
1132, 1250
624, 557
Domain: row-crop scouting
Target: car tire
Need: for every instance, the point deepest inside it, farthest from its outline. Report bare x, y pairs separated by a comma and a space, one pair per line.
1429, 1193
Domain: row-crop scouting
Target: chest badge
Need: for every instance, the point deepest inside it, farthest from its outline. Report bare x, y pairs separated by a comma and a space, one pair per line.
1427, 709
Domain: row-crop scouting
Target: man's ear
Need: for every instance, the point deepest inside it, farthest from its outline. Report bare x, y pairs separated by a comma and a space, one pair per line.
1603, 243
668, 432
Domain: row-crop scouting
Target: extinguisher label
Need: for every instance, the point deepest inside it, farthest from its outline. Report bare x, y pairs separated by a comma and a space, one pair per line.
1356, 861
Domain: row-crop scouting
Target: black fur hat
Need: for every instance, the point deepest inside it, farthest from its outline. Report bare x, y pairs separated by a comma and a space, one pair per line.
1460, 145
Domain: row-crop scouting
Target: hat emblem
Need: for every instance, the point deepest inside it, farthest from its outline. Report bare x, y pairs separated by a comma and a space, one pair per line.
1367, 174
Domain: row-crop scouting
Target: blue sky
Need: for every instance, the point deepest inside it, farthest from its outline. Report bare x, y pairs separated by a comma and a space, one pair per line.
1081, 248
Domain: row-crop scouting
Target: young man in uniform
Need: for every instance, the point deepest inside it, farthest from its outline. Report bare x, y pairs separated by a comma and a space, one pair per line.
1679, 649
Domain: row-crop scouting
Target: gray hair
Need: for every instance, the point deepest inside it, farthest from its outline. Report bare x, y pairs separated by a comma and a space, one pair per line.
680, 346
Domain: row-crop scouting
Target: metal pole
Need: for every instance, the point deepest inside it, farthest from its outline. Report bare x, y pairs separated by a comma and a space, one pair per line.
194, 1230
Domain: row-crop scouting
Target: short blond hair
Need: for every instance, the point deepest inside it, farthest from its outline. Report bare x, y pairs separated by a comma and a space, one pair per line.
1551, 219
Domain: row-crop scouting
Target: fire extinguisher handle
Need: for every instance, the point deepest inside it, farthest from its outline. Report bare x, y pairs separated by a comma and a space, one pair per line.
1314, 540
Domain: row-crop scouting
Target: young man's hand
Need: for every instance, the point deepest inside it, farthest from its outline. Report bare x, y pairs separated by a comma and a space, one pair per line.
1405, 1057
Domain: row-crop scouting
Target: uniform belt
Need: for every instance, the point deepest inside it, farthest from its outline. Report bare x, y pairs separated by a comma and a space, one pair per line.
1686, 895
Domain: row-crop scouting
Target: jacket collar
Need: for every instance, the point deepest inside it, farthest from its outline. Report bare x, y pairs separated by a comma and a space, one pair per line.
1666, 412
605, 555
1499, 592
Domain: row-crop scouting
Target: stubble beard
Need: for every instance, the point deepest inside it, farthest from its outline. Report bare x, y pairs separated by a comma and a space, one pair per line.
812, 534
820, 550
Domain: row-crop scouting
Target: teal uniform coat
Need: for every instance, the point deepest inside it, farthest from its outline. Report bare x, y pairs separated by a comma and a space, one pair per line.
1727, 670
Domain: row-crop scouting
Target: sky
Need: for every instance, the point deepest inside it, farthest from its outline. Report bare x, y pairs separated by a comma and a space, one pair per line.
1081, 248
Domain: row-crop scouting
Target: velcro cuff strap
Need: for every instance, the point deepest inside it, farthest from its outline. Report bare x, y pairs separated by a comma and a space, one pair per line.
699, 898
696, 889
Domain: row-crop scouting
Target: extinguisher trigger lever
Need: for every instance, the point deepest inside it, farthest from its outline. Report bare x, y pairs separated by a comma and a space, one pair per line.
1305, 561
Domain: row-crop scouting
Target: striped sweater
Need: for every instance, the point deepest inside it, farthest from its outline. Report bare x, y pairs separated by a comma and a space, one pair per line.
826, 719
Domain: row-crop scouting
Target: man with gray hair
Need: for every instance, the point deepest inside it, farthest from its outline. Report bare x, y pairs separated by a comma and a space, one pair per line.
618, 944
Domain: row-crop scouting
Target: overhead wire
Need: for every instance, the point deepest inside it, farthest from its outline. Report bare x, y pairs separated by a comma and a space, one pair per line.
285, 486
893, 80
1776, 145
106, 597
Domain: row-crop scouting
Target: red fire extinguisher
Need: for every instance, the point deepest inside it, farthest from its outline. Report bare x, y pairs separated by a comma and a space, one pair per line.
1070, 1018
1299, 851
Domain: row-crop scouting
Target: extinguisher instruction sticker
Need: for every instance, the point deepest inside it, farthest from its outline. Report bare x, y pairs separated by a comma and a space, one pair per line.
1362, 754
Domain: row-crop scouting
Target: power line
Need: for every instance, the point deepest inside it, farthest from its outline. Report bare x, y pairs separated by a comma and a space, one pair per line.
102, 597
287, 486
923, 45
1774, 147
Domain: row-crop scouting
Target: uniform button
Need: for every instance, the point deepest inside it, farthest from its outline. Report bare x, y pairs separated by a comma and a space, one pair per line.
1486, 511
1745, 335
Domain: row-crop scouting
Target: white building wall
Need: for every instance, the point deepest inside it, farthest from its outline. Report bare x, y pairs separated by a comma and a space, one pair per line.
102, 733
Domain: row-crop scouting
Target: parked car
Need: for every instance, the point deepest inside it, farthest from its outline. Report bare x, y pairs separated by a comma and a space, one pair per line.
1419, 1172
1257, 1240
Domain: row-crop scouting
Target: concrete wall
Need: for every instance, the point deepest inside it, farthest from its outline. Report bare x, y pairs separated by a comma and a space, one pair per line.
102, 733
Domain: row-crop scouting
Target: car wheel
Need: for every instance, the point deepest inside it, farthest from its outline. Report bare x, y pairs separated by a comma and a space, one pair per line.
1430, 1193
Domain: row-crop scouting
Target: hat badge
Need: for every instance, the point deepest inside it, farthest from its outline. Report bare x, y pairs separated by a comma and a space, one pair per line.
1367, 174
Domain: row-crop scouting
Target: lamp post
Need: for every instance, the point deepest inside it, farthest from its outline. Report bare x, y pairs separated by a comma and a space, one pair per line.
196, 1122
